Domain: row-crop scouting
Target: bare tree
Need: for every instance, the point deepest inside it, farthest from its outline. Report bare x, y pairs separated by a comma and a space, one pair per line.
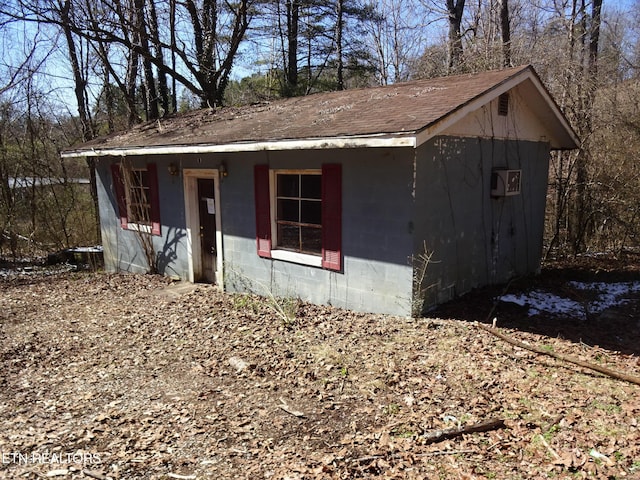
396, 36
158, 52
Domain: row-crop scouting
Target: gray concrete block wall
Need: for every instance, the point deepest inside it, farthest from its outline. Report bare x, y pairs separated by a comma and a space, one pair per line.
123, 251
378, 223
376, 243
475, 239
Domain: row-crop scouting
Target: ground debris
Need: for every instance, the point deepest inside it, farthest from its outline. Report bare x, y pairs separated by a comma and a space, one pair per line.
448, 433
120, 376
576, 361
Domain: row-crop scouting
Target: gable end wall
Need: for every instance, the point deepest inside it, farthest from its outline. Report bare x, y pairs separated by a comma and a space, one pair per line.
473, 239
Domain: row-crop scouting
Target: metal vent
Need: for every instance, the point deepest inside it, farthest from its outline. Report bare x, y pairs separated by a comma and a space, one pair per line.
503, 104
505, 183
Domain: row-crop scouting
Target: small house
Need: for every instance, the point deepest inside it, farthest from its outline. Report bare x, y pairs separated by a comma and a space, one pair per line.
390, 199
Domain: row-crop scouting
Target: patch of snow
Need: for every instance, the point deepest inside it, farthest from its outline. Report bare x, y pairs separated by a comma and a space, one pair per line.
607, 295
94, 249
36, 270
545, 302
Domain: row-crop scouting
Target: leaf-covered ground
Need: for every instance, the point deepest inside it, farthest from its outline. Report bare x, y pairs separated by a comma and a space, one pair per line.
132, 377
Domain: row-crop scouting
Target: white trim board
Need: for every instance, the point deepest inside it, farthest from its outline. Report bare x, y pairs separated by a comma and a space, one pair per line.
191, 205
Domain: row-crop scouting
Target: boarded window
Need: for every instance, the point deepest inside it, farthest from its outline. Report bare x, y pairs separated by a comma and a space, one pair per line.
137, 197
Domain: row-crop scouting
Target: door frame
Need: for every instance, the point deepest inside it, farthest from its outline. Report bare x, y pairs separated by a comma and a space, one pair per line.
192, 220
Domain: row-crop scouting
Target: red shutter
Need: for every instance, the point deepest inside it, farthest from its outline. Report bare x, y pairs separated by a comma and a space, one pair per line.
263, 210
121, 201
154, 200
332, 216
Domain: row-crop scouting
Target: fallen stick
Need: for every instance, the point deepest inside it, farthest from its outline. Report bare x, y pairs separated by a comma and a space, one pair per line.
96, 475
604, 370
284, 406
447, 433
181, 477
553, 453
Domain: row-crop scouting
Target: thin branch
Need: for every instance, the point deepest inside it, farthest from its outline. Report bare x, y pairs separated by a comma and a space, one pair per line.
565, 358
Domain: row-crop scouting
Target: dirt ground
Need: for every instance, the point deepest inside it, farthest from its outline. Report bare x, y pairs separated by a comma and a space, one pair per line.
134, 377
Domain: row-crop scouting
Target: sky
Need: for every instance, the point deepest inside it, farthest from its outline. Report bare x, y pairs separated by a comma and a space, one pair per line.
55, 84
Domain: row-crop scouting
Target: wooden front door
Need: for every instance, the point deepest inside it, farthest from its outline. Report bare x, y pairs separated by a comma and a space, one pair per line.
207, 214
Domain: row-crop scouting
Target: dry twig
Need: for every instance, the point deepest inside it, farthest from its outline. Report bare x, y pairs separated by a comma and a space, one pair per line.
96, 475
447, 433
291, 411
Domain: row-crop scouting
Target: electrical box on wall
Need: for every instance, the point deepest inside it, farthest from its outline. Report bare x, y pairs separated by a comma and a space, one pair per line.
505, 183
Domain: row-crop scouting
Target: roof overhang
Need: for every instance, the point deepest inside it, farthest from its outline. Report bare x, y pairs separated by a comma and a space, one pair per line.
374, 141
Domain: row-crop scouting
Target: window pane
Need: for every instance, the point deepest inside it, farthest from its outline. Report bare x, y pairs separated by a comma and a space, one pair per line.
311, 239
311, 212
311, 186
289, 236
288, 185
139, 178
139, 195
288, 210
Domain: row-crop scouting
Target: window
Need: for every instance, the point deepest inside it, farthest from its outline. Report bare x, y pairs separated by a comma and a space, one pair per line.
136, 192
299, 215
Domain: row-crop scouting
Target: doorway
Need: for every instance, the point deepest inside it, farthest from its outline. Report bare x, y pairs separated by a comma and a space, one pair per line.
204, 233
207, 219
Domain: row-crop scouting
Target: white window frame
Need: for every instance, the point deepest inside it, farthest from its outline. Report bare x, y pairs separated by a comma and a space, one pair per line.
314, 260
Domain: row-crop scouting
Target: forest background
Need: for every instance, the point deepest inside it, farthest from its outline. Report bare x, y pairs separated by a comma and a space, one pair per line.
73, 70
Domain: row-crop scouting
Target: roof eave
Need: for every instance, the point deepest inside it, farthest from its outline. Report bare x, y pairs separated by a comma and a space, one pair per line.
389, 140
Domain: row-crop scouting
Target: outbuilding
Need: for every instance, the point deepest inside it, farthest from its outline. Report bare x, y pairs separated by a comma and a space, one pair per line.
390, 199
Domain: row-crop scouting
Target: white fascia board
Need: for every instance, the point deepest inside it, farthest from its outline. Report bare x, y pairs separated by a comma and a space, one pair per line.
402, 139
449, 120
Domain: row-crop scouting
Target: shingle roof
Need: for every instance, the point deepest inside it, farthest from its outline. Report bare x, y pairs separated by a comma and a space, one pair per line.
398, 109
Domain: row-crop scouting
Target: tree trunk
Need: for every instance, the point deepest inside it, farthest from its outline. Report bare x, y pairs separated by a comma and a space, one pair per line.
293, 18
590, 83
596, 20
455, 11
79, 82
505, 28
151, 97
163, 89
80, 86
339, 31
172, 32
